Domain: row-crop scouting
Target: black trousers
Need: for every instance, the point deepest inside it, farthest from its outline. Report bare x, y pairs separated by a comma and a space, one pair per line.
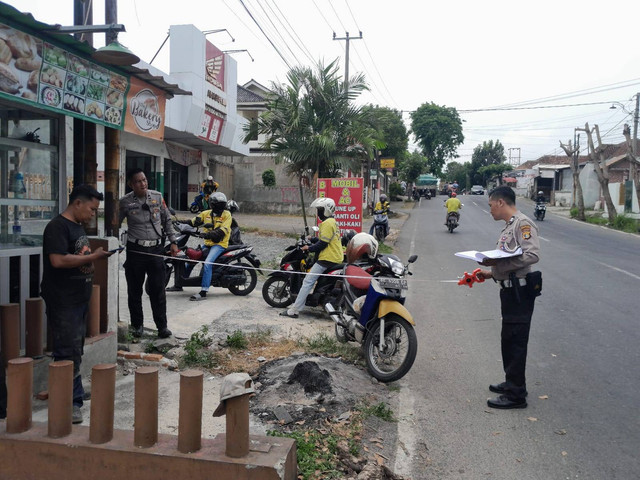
3, 390
137, 267
517, 310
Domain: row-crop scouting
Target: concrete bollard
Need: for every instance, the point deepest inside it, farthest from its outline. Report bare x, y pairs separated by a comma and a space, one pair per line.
145, 432
20, 392
10, 331
93, 320
190, 418
103, 392
33, 319
237, 434
60, 398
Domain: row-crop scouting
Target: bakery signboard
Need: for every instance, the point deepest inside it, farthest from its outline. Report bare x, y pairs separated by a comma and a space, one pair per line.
38, 72
145, 110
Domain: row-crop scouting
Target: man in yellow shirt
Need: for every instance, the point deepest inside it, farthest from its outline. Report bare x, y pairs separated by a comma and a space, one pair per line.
328, 248
216, 238
453, 205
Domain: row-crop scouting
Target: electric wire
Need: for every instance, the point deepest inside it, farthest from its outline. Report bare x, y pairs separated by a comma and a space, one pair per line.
277, 32
301, 42
266, 36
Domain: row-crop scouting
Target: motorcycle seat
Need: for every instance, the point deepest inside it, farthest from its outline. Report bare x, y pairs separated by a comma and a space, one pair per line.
234, 247
357, 277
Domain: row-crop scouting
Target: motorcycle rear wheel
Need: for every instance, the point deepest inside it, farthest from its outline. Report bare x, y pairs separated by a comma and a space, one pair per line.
251, 280
194, 208
451, 226
276, 291
400, 349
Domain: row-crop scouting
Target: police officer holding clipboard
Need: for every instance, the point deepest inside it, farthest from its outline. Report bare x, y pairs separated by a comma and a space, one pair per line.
148, 222
519, 286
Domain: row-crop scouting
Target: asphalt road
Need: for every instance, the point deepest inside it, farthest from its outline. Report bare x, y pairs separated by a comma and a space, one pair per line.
583, 365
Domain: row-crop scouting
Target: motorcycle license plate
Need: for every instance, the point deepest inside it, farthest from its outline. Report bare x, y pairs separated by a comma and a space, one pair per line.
399, 283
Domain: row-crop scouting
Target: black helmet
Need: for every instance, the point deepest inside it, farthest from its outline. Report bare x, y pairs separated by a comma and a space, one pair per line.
218, 202
346, 236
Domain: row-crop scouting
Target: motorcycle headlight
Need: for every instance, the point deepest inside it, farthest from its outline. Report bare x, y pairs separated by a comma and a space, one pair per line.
397, 267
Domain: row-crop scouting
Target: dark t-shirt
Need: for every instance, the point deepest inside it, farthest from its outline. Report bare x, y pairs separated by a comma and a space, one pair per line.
66, 286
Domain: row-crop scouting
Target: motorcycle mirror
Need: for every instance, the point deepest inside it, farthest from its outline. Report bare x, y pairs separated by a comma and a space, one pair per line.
412, 258
172, 211
315, 229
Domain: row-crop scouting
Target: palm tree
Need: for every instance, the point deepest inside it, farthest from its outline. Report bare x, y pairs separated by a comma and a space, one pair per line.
313, 126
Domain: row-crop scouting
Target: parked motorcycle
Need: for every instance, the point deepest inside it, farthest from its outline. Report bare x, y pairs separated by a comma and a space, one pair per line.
380, 225
198, 204
371, 312
540, 211
229, 271
282, 287
453, 218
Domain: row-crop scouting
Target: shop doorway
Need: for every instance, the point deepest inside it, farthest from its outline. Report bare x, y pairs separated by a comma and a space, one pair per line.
176, 185
147, 164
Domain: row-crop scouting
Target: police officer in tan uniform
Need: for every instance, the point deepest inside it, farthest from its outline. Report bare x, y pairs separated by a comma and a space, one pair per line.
519, 286
147, 217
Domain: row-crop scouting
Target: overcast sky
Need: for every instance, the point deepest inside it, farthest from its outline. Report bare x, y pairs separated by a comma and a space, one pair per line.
465, 54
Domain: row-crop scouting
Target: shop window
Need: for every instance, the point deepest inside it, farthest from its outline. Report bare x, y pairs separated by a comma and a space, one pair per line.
28, 176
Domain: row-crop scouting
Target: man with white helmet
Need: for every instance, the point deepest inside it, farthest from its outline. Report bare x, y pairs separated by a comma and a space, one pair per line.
328, 249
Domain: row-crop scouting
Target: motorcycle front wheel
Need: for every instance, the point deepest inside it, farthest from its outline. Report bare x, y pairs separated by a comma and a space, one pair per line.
276, 291
250, 282
194, 208
399, 350
379, 233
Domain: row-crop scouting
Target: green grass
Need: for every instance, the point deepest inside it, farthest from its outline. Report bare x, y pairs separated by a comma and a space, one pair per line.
597, 219
237, 340
324, 344
196, 352
380, 410
626, 224
383, 248
317, 453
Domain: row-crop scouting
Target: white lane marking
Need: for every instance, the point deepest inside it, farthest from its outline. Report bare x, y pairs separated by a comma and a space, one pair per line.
545, 239
485, 211
475, 204
620, 270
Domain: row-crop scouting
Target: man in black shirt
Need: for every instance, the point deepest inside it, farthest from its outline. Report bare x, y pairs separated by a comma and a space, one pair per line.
67, 281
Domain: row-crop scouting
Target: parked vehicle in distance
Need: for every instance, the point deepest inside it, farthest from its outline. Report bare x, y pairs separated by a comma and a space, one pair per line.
477, 190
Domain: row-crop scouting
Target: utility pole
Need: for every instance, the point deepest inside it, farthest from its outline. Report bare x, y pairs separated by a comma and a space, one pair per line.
634, 147
347, 38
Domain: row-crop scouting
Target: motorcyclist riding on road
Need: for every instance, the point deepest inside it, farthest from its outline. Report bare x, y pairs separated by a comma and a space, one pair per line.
540, 197
453, 205
208, 187
383, 205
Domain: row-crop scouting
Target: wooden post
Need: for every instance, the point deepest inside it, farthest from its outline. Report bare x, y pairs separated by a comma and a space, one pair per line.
93, 324
20, 393
10, 331
146, 407
33, 320
237, 435
190, 418
103, 390
60, 398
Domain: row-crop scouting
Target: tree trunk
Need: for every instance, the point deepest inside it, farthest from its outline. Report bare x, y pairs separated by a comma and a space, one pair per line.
602, 171
304, 210
575, 171
634, 161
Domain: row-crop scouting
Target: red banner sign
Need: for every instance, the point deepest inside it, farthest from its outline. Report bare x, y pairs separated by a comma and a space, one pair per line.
347, 193
210, 127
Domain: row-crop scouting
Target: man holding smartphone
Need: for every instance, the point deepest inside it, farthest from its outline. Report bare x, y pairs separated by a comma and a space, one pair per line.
67, 281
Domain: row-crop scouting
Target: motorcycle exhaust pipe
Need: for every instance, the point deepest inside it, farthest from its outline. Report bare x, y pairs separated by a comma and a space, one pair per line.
333, 313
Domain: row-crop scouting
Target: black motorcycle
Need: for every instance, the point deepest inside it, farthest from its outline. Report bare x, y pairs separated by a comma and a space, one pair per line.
282, 287
540, 211
453, 218
229, 271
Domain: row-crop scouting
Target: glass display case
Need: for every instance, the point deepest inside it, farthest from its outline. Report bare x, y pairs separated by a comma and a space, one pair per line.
29, 175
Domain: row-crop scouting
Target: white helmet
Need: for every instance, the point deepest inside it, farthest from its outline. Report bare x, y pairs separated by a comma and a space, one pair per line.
383, 198
540, 192
360, 245
218, 202
326, 204
210, 178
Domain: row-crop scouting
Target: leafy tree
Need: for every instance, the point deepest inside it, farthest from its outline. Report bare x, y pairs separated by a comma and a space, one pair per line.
438, 130
413, 166
494, 169
488, 153
390, 129
459, 172
312, 125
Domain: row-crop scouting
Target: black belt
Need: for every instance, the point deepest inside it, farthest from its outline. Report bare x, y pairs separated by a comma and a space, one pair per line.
147, 243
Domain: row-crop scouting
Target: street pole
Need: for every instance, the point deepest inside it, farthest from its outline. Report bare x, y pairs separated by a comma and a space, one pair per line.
634, 147
346, 61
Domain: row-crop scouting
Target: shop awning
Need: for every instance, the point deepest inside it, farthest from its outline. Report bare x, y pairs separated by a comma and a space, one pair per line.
41, 29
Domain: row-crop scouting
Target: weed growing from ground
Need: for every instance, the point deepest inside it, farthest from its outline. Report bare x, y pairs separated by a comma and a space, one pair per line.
324, 344
196, 352
380, 410
237, 340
